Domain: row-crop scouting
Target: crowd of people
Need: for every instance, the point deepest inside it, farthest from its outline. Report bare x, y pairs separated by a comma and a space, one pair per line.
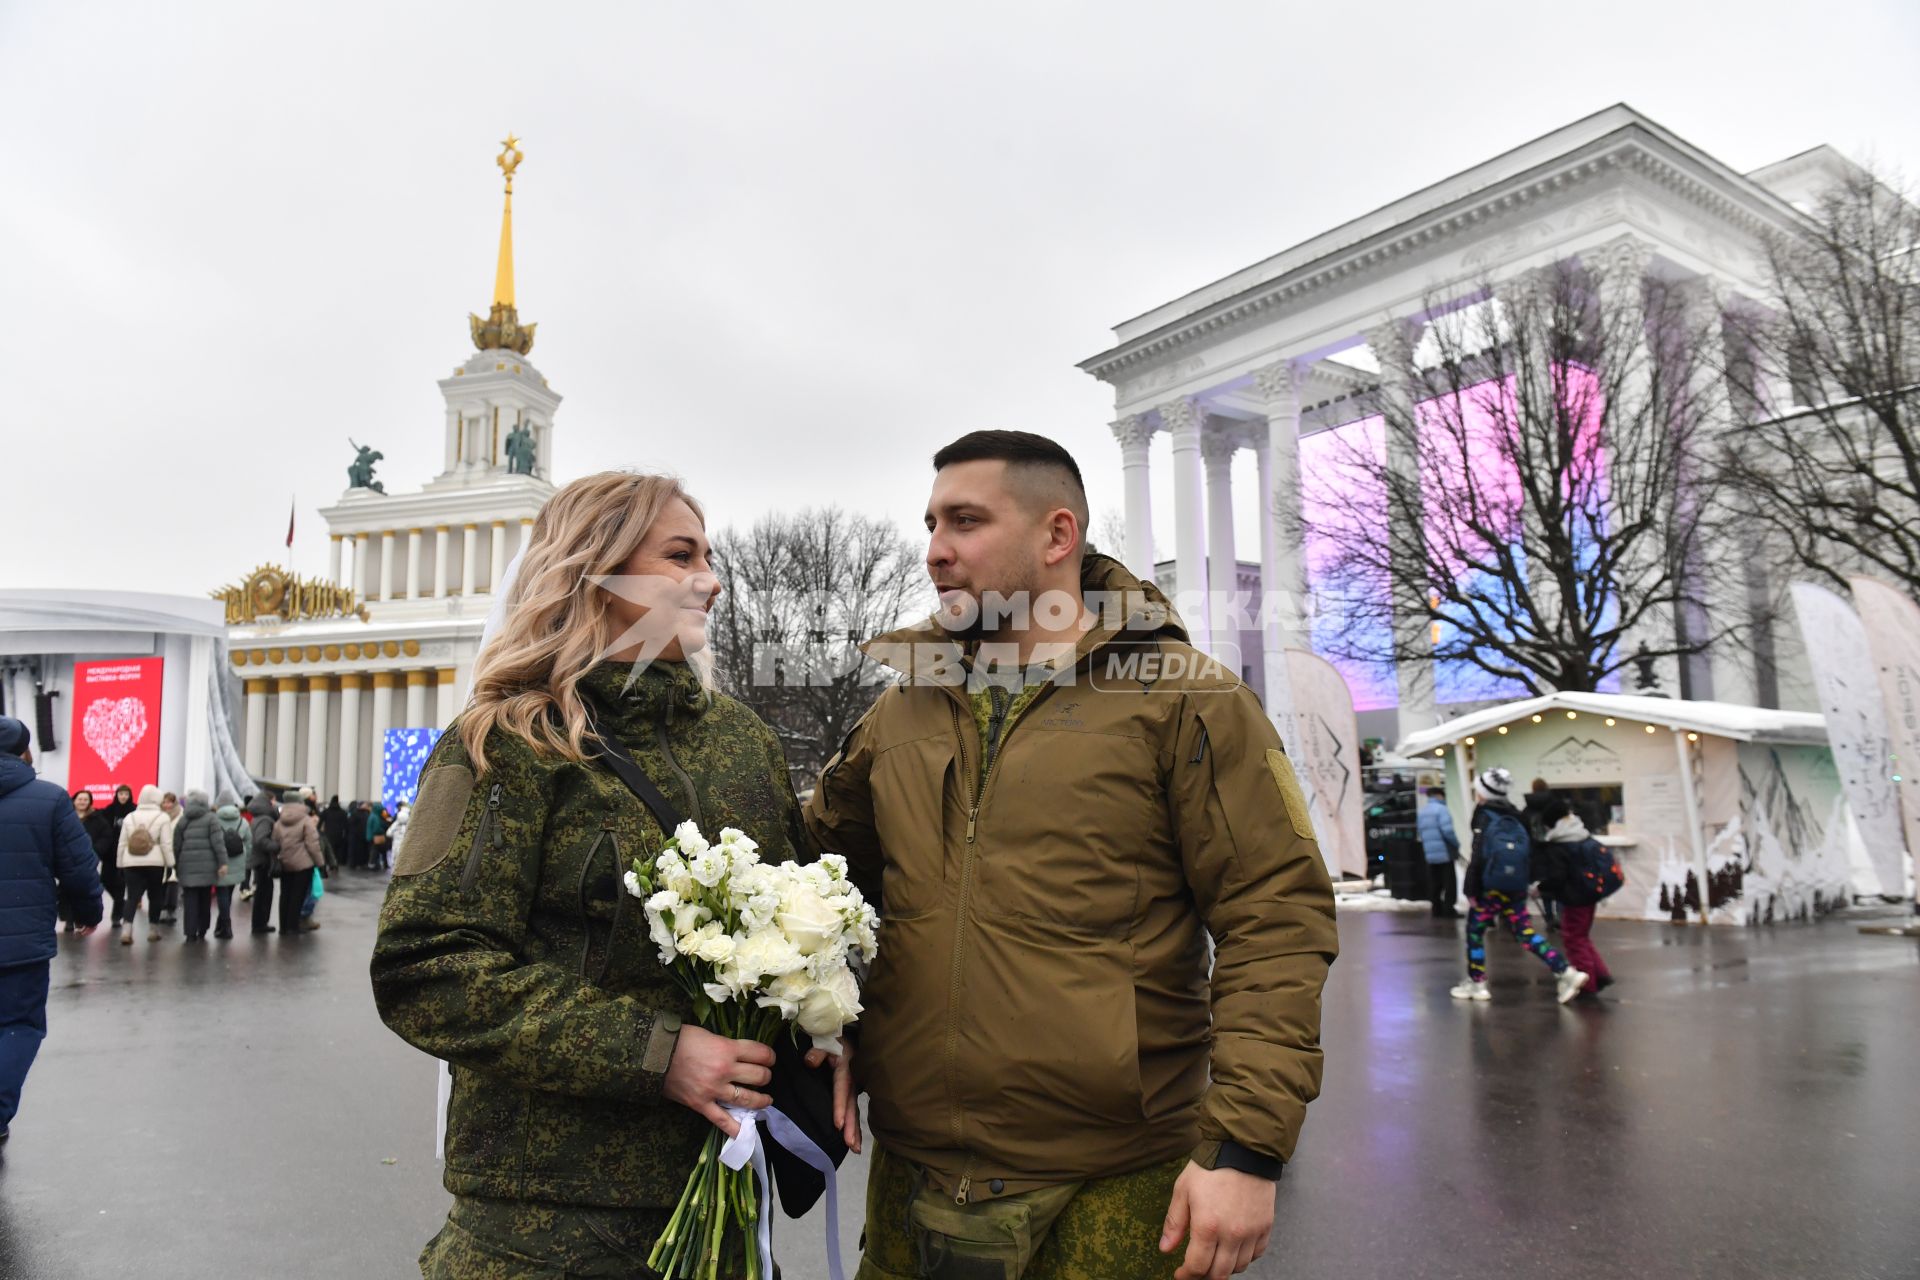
187, 860
1543, 848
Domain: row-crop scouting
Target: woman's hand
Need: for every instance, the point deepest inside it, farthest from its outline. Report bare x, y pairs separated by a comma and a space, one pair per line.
846, 1112
710, 1073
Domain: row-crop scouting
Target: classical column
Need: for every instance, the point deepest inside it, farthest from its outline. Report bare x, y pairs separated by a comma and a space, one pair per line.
1393, 344
439, 561
1283, 566
285, 767
1183, 420
1619, 269
333, 558
386, 565
1135, 436
497, 556
256, 757
1716, 584
1217, 447
349, 777
445, 708
469, 559
383, 682
415, 588
417, 681
317, 762
362, 575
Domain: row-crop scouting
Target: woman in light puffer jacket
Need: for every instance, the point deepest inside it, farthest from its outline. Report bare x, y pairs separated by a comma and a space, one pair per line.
145, 873
299, 835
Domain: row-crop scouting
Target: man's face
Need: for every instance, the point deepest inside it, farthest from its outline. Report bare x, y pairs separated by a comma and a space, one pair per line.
982, 543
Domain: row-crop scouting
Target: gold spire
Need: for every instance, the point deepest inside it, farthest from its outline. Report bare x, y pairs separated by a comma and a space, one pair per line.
502, 330
509, 159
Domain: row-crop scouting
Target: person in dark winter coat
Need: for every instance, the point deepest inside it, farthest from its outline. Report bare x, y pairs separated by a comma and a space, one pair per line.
101, 831
110, 875
1490, 905
235, 831
333, 825
200, 862
1566, 838
357, 834
260, 860
45, 857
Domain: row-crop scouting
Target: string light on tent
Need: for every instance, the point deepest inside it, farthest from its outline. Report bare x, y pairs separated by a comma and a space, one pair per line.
1537, 719
1573, 715
1649, 728
1693, 737
1469, 741
1503, 728
1609, 722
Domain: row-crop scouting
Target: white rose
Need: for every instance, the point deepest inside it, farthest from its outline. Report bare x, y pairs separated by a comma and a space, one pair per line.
689, 837
833, 1002
715, 949
807, 919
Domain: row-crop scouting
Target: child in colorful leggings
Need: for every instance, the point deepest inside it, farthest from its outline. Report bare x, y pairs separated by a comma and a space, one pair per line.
1489, 906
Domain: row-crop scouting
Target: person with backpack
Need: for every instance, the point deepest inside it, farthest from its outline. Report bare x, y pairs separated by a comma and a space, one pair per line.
236, 843
261, 860
1497, 880
199, 859
145, 857
1578, 871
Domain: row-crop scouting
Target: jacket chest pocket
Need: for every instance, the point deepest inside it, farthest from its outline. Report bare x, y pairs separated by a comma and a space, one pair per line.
591, 914
919, 797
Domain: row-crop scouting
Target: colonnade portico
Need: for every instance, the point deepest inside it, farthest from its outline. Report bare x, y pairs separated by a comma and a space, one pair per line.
342, 752
1324, 334
392, 563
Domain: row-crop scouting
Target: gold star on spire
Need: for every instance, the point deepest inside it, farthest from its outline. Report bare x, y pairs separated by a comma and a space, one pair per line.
502, 329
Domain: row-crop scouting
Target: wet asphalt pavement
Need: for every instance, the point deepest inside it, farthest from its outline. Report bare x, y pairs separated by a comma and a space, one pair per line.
1744, 1104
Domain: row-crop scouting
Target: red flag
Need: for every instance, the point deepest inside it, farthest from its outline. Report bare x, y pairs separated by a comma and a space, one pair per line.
290, 511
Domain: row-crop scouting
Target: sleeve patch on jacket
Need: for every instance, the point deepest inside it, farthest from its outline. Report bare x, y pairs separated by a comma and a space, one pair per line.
1282, 770
437, 814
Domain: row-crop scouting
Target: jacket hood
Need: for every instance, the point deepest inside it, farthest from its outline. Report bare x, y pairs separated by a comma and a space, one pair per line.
1500, 806
150, 797
261, 806
1568, 830
1125, 606
292, 813
15, 773
227, 799
196, 804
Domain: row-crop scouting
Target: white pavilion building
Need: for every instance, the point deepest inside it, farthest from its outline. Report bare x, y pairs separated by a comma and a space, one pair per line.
1272, 353
417, 573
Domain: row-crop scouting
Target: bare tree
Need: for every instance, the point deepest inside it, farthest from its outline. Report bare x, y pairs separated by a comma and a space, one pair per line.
1537, 492
802, 592
1831, 459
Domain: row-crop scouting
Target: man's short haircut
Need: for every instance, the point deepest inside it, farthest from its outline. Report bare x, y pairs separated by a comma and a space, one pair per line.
1438, 793
1044, 474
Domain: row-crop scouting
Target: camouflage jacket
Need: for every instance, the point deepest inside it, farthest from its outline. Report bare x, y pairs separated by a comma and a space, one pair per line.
509, 946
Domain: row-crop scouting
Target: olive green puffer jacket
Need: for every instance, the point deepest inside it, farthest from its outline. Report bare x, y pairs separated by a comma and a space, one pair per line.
509, 946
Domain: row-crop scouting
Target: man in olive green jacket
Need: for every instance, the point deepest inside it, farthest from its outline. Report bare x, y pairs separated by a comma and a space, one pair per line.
1046, 1025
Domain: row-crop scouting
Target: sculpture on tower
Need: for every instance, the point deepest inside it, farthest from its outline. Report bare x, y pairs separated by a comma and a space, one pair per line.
360, 471
502, 330
520, 447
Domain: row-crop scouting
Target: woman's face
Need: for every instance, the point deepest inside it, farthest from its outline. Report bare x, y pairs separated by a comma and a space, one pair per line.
168, 804
123, 795
665, 590
83, 803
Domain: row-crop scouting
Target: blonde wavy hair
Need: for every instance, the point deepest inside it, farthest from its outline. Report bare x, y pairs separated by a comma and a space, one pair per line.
558, 624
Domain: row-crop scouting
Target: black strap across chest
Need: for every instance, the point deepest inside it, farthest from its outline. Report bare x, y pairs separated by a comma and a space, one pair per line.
618, 759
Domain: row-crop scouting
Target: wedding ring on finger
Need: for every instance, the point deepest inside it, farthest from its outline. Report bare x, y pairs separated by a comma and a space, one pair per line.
735, 1100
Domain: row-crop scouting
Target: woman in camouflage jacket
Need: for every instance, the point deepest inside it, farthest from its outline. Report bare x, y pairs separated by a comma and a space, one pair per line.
508, 946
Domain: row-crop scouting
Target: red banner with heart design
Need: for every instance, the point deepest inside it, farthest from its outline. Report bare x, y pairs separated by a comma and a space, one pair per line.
115, 737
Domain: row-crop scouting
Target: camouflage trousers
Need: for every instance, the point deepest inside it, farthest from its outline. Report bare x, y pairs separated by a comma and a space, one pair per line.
1108, 1228
525, 1240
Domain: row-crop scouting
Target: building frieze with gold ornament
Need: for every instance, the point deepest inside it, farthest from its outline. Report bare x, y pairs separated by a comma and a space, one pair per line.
272, 594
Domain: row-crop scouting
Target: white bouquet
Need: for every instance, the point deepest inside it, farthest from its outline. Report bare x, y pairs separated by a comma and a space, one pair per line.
756, 947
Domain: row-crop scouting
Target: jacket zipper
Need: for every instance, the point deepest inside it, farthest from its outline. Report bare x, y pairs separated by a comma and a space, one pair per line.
482, 834
686, 781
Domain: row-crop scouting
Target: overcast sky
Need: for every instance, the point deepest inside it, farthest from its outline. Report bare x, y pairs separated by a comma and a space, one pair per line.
785, 250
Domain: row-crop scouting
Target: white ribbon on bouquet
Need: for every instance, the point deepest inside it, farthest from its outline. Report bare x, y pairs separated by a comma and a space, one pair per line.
748, 1145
